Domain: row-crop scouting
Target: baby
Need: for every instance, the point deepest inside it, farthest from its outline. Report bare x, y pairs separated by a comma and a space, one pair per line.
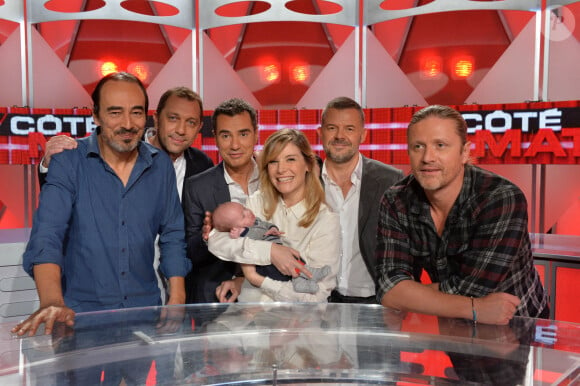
239, 221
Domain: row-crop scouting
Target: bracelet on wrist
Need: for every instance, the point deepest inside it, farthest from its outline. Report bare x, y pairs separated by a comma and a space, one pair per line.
473, 311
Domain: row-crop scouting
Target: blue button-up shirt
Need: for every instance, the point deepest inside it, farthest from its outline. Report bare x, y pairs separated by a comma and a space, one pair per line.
102, 233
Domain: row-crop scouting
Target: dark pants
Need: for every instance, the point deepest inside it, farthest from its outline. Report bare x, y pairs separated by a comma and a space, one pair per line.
337, 297
272, 272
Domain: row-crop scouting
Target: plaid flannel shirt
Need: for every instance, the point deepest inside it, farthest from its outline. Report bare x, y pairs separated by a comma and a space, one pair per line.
484, 248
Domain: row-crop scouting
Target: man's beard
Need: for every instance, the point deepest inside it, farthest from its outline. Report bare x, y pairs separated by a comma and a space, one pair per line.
339, 158
126, 145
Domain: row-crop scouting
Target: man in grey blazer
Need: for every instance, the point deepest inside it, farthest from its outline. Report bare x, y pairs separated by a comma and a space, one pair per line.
354, 186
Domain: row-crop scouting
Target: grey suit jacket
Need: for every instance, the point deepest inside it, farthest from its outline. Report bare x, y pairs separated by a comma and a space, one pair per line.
377, 177
204, 192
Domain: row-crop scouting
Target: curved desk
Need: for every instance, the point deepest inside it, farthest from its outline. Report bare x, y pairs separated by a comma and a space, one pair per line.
556, 257
283, 343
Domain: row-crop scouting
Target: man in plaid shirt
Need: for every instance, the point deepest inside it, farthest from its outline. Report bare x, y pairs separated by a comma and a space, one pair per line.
467, 227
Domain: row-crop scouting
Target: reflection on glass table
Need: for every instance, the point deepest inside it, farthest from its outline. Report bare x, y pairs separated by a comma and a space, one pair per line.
279, 343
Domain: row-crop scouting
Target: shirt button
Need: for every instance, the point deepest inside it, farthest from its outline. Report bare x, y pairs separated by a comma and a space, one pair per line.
123, 222
123, 273
125, 297
123, 250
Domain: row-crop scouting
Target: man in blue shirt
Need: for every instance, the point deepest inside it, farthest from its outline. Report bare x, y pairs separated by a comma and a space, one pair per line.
103, 204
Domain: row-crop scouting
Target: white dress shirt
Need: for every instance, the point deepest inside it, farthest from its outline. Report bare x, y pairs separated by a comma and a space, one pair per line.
354, 278
179, 165
237, 193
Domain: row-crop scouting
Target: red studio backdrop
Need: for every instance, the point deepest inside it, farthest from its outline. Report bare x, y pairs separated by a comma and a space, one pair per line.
518, 133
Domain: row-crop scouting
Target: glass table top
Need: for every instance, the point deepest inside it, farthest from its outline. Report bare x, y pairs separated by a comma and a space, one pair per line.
299, 343
556, 246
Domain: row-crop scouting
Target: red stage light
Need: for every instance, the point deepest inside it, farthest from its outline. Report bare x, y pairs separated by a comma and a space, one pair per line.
431, 67
271, 73
300, 73
463, 67
140, 70
108, 68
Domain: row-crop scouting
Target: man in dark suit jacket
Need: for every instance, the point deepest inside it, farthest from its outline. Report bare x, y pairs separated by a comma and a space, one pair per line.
178, 120
202, 193
234, 179
354, 186
196, 161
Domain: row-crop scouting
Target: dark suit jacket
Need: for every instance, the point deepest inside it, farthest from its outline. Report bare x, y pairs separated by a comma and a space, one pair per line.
201, 193
196, 161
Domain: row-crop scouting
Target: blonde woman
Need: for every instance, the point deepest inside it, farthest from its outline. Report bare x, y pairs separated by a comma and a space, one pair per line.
292, 197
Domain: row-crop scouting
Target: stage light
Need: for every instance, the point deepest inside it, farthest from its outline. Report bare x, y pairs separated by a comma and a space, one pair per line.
463, 67
431, 67
140, 70
108, 68
271, 73
300, 73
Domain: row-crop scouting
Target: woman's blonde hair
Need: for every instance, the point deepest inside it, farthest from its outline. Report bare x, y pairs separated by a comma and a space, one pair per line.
313, 192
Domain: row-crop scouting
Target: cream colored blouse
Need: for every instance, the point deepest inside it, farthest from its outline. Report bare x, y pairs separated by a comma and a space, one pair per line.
319, 245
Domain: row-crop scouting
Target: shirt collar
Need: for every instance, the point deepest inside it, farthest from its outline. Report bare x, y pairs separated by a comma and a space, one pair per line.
92, 145
416, 196
180, 159
297, 210
255, 174
146, 151
355, 177
357, 172
465, 192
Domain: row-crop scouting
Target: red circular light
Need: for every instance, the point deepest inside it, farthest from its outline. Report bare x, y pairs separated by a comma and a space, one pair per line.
140, 70
108, 68
431, 67
271, 73
300, 73
463, 68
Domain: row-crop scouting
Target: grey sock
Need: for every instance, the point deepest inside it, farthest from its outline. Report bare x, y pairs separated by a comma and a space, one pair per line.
317, 273
303, 285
